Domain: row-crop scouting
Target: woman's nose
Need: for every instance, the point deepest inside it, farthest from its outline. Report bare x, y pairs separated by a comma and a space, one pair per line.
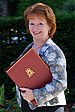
36, 26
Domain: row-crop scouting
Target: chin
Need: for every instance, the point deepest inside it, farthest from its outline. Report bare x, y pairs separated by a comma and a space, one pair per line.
37, 37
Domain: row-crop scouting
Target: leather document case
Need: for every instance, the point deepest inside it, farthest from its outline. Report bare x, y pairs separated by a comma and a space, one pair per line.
30, 71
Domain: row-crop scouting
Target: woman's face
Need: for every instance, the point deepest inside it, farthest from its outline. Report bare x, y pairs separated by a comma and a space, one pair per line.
39, 28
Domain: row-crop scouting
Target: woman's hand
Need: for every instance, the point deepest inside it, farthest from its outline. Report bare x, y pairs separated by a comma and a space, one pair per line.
27, 94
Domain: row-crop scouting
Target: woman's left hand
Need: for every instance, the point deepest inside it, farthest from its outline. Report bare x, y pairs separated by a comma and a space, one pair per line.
27, 94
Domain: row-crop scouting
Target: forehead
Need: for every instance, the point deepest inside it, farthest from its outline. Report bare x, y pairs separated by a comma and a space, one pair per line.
37, 19
38, 16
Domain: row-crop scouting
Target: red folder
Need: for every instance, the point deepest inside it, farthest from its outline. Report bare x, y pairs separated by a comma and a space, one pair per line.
30, 71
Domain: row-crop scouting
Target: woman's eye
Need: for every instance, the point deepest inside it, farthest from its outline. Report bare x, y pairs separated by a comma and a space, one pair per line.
31, 23
41, 23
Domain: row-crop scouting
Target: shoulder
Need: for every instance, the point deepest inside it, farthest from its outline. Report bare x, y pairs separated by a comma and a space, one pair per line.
51, 48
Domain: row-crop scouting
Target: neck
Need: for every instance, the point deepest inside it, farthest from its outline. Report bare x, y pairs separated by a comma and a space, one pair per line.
38, 43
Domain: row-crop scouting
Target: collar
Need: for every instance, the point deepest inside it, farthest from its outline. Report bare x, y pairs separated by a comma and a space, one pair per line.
49, 41
45, 46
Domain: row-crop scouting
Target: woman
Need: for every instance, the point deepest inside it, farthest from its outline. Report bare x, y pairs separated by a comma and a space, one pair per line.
41, 23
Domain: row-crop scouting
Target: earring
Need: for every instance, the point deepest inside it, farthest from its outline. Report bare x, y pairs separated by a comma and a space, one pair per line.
49, 31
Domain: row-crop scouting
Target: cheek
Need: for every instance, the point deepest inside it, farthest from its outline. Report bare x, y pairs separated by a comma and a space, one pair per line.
30, 29
45, 30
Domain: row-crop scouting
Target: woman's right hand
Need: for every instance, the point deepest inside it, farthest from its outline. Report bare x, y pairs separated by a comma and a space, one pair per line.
27, 94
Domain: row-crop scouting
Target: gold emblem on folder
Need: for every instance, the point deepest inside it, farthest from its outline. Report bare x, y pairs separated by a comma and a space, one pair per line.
29, 72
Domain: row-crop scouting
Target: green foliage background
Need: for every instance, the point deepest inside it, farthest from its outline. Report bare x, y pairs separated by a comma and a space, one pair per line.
23, 4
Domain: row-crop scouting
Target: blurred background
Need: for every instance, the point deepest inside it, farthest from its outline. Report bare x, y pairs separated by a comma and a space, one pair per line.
14, 39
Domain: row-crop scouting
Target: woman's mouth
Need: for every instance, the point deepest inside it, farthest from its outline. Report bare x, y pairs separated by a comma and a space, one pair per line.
37, 33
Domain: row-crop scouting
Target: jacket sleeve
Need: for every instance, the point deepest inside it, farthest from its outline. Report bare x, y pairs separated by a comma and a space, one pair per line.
56, 61
18, 97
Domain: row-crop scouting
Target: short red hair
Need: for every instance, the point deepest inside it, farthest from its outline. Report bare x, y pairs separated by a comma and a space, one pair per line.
43, 11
